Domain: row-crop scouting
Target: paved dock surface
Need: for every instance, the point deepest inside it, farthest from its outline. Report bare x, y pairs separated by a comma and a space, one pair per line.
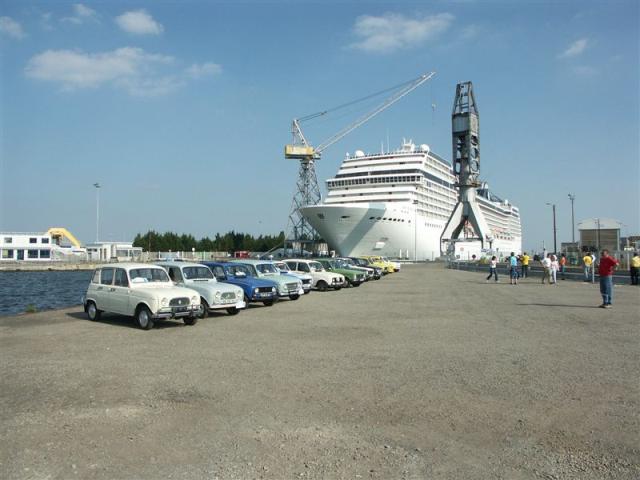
428, 373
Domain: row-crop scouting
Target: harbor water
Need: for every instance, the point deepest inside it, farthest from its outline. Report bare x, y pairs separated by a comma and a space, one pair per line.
28, 291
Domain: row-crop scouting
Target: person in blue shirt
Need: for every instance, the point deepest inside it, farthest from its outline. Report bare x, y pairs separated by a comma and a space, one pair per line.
513, 268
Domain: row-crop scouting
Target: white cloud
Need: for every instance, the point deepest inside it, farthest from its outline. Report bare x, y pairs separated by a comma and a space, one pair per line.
391, 32
81, 13
131, 69
9, 26
203, 70
139, 22
576, 48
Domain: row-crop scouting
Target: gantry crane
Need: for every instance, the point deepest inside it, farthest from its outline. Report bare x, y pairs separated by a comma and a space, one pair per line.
307, 190
465, 128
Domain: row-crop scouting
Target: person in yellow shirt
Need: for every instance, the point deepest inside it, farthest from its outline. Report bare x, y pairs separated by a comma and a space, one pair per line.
634, 268
525, 265
587, 260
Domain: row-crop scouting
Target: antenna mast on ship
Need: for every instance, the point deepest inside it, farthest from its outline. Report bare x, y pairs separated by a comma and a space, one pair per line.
299, 232
465, 124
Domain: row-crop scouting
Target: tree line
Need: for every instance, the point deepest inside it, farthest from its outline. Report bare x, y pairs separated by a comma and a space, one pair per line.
229, 242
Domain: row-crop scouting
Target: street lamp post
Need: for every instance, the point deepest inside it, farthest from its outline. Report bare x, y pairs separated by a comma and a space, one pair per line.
415, 231
572, 197
555, 242
97, 185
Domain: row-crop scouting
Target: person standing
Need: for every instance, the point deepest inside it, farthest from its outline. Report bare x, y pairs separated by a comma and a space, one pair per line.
525, 265
493, 268
546, 268
587, 262
606, 267
563, 265
554, 269
634, 268
513, 269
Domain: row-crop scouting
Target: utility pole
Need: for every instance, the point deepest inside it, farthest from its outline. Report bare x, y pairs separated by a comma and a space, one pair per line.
97, 185
555, 237
572, 197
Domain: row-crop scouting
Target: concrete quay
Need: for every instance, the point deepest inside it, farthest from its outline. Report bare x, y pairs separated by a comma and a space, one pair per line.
427, 373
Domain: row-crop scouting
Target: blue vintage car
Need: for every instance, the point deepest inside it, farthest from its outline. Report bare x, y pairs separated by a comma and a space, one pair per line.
255, 289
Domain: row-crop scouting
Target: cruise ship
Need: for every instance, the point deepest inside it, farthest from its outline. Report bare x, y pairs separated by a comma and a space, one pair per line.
397, 204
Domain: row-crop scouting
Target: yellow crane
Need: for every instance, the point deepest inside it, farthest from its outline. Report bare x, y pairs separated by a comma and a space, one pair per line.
58, 233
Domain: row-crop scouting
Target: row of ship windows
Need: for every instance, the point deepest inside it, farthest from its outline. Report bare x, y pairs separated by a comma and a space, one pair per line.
364, 181
388, 219
43, 240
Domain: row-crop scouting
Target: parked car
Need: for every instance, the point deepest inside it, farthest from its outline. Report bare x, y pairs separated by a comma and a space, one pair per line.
214, 295
305, 278
374, 272
322, 280
352, 277
288, 285
255, 289
378, 262
396, 265
142, 291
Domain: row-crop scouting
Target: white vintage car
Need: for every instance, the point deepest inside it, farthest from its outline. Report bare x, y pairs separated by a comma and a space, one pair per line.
305, 278
322, 280
214, 295
142, 291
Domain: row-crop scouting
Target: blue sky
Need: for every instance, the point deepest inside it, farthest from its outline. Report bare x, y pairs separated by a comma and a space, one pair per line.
180, 110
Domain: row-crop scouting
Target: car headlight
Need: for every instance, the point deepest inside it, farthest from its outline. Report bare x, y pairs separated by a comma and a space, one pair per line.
239, 294
255, 290
194, 300
273, 289
218, 296
164, 302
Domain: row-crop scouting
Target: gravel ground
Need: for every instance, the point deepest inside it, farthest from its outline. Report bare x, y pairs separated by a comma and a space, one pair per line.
428, 373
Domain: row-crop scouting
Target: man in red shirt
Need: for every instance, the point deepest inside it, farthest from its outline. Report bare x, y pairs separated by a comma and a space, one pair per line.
605, 270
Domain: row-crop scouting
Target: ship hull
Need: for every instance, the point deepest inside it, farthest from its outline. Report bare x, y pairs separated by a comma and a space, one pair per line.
396, 231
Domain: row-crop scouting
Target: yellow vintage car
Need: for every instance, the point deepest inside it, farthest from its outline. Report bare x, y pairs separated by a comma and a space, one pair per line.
377, 261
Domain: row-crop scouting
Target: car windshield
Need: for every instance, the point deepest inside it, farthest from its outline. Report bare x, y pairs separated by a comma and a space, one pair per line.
195, 273
316, 266
282, 266
233, 269
266, 268
339, 263
349, 262
149, 274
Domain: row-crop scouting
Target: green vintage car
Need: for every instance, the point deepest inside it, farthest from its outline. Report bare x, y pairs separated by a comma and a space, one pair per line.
337, 265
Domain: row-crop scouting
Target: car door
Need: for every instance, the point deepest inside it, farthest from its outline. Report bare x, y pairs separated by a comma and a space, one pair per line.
120, 293
103, 290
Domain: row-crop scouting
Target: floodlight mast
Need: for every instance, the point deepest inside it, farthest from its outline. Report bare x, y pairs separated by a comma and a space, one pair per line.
308, 191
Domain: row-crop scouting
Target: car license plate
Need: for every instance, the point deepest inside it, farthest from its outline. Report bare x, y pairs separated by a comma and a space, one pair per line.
180, 309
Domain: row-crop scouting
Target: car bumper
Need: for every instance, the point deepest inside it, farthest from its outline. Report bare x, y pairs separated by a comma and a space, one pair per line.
224, 306
261, 297
177, 312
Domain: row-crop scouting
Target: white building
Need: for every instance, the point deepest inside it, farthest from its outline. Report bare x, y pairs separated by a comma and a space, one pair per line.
106, 251
35, 246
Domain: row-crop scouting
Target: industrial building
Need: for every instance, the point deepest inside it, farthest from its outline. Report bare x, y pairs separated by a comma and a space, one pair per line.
597, 234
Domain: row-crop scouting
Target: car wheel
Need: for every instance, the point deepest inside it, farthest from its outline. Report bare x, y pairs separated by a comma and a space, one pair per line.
203, 311
268, 303
143, 318
337, 287
190, 320
294, 297
322, 286
92, 312
233, 311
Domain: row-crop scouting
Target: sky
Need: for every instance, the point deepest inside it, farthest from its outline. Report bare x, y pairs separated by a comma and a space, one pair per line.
181, 110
